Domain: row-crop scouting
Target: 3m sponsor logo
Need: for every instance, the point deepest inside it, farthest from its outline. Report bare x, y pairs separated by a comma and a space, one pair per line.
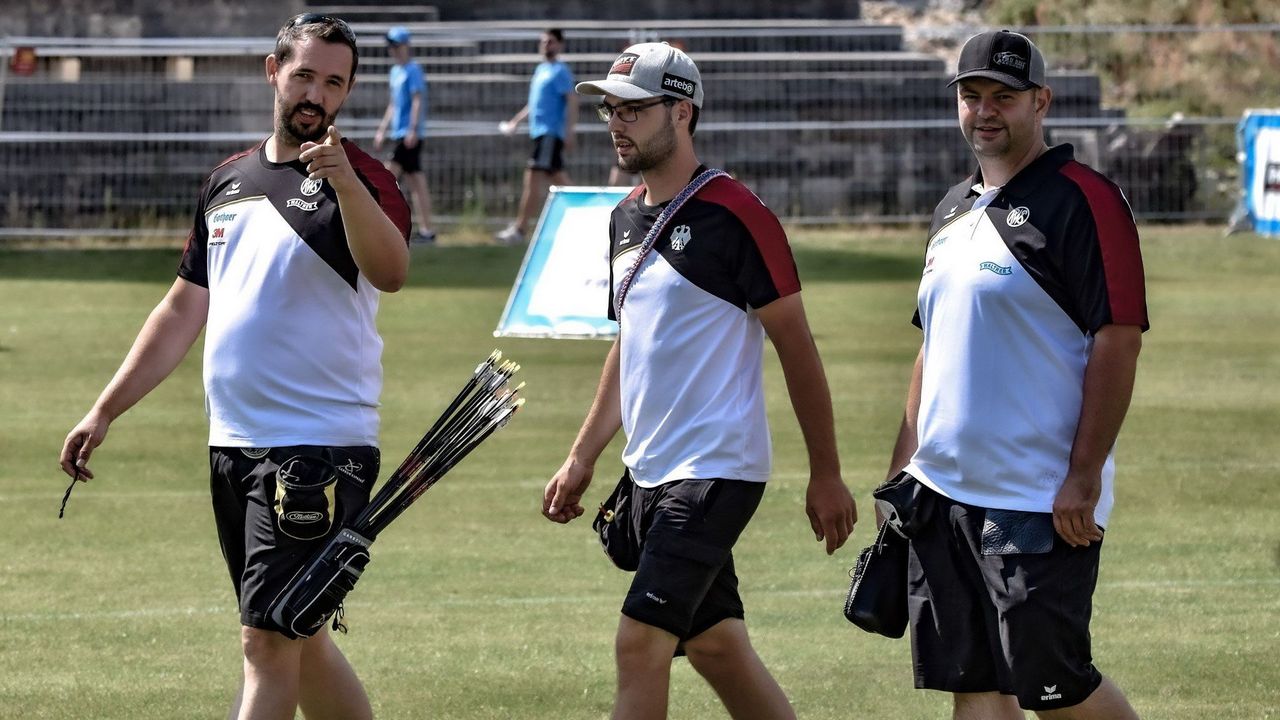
624, 63
1051, 693
1018, 216
1009, 59
222, 217
678, 84
997, 269
311, 187
304, 517
298, 203
219, 232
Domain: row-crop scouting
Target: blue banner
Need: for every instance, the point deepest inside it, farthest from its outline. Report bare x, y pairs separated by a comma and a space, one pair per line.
1258, 136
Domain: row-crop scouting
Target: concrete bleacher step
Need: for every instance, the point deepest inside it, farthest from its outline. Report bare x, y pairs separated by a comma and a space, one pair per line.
378, 13
243, 104
709, 63
616, 12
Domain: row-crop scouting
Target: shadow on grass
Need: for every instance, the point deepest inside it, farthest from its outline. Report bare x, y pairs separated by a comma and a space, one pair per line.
447, 267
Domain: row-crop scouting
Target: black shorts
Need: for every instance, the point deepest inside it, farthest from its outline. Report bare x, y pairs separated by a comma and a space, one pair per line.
267, 527
548, 154
409, 159
685, 583
1015, 623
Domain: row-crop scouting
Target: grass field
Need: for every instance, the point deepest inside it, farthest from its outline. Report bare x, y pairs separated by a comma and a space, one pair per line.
476, 607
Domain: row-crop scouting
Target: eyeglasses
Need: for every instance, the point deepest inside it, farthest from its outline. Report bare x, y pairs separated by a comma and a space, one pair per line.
322, 19
628, 113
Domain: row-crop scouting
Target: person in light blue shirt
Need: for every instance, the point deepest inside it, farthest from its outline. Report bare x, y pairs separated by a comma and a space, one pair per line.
405, 121
552, 111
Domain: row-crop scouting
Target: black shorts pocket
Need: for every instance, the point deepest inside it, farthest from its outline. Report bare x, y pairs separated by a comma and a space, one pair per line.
304, 502
357, 469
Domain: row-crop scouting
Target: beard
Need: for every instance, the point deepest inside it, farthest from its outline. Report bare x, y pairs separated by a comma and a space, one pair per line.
659, 148
292, 131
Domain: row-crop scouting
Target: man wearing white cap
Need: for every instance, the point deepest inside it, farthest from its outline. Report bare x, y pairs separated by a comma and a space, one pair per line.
701, 272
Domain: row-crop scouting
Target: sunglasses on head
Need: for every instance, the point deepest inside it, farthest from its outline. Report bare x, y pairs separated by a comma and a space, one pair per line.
322, 19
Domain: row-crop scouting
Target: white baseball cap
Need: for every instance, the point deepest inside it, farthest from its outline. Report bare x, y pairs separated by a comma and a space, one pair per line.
648, 70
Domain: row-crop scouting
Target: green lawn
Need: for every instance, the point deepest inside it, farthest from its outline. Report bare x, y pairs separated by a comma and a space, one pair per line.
476, 607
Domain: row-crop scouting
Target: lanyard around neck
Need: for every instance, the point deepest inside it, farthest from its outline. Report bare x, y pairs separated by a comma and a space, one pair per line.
668, 212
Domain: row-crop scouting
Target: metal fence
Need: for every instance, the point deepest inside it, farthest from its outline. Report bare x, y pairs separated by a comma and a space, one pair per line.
829, 122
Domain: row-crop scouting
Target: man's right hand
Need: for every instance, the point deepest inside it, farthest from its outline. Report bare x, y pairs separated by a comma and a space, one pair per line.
562, 498
81, 442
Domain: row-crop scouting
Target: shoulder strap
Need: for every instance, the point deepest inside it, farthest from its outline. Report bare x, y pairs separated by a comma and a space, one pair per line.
656, 229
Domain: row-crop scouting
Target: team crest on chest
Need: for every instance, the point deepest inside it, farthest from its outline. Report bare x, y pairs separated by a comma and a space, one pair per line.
311, 187
680, 237
1018, 216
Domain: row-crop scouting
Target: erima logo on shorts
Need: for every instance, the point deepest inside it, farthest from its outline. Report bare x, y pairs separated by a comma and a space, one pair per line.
655, 598
678, 84
997, 269
1051, 693
1013, 60
298, 203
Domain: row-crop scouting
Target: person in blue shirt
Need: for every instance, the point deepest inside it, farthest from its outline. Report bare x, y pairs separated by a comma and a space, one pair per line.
405, 121
552, 111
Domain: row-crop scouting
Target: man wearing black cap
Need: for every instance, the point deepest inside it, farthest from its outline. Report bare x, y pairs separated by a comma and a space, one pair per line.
701, 272
1033, 306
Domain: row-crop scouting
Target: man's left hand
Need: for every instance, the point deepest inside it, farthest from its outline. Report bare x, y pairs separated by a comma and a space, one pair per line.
328, 161
831, 510
1073, 509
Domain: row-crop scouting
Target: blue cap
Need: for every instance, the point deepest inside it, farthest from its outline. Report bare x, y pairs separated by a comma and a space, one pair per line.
398, 35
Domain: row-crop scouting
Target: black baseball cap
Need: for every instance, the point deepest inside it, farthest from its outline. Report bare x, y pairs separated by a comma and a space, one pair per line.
1004, 56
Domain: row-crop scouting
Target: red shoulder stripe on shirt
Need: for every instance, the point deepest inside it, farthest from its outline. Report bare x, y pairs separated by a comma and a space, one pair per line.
388, 193
635, 193
1118, 242
763, 226
239, 155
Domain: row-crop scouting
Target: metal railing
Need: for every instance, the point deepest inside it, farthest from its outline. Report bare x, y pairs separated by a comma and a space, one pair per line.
840, 134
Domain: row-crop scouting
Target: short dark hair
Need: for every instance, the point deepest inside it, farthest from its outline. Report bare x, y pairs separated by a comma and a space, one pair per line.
315, 25
556, 33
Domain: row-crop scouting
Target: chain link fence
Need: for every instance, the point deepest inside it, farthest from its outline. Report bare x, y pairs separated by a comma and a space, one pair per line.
838, 122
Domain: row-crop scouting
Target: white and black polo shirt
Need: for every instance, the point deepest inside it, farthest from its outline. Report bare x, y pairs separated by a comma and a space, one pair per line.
691, 346
291, 354
1011, 296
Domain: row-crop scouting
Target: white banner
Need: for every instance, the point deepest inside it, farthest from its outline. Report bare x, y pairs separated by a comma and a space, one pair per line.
562, 289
